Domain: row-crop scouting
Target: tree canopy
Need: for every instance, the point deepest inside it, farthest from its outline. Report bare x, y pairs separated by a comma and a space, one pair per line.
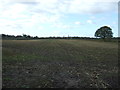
104, 32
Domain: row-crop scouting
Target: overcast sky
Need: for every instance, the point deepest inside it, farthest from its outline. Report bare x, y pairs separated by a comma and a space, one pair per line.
57, 17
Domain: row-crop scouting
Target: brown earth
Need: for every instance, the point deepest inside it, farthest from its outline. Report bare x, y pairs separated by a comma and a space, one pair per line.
59, 64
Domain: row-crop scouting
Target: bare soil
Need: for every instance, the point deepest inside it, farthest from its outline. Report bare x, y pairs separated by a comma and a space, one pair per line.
59, 64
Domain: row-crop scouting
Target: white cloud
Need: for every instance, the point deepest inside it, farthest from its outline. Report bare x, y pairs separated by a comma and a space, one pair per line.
73, 6
77, 23
40, 28
28, 13
90, 21
56, 7
57, 0
13, 11
65, 26
60, 25
77, 6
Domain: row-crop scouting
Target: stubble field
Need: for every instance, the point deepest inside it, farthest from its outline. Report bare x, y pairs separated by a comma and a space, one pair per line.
54, 63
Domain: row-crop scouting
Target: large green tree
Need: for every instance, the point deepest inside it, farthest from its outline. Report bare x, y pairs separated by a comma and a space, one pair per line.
104, 32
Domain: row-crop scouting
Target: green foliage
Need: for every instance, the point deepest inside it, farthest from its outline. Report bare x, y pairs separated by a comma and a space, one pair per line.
18, 37
104, 32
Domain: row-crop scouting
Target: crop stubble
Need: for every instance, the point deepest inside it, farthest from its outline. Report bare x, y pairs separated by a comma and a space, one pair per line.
59, 63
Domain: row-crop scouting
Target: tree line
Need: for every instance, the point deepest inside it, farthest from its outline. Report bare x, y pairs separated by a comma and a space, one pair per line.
18, 37
28, 37
103, 32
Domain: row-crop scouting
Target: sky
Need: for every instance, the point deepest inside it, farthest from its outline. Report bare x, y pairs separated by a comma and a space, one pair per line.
46, 18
